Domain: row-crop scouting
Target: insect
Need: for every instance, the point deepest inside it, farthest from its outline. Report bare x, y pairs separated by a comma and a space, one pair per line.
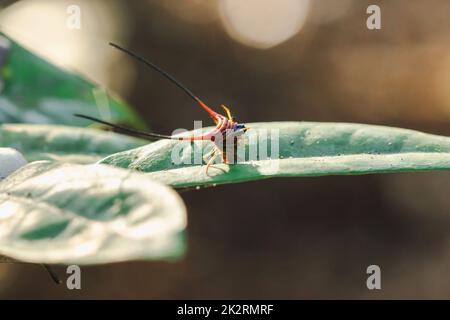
224, 136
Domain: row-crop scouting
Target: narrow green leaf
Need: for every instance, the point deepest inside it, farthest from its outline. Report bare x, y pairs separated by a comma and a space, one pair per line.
74, 214
33, 90
305, 149
64, 143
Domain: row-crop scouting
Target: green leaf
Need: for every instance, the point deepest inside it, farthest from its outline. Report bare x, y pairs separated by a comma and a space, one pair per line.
63, 143
76, 214
305, 149
33, 90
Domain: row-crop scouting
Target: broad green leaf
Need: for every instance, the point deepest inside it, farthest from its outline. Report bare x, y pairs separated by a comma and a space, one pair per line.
305, 149
64, 143
33, 90
88, 214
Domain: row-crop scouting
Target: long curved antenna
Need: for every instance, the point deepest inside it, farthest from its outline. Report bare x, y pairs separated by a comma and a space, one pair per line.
136, 133
158, 69
211, 112
52, 274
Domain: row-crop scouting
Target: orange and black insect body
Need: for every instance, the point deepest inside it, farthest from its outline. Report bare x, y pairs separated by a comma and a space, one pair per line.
225, 135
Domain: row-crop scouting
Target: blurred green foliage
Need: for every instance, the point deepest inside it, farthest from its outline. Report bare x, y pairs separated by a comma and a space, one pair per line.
36, 91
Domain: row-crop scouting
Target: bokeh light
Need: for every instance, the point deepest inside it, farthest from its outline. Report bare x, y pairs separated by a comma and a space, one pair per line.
263, 23
41, 25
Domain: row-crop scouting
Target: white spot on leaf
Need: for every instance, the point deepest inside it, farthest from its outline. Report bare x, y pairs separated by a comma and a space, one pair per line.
10, 161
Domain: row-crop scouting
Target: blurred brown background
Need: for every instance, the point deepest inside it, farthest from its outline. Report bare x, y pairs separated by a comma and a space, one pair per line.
269, 61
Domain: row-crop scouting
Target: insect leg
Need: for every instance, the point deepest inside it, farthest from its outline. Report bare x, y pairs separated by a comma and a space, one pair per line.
216, 152
208, 156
